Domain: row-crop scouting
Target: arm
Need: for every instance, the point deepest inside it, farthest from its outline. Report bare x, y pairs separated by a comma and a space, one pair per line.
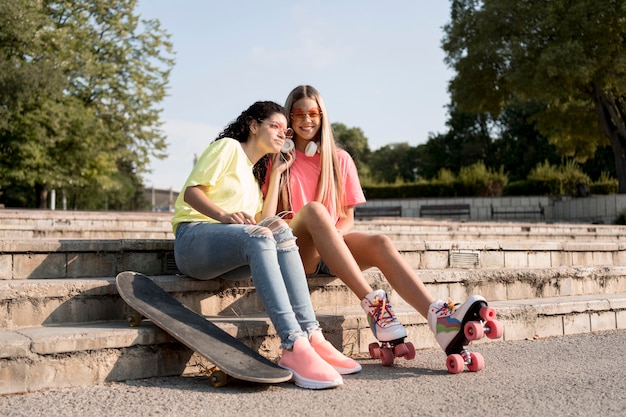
345, 224
279, 166
196, 197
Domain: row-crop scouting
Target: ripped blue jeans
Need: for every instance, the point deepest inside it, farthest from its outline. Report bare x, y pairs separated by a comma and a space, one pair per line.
268, 252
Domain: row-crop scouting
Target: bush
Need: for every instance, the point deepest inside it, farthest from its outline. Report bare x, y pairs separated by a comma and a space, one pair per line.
559, 180
604, 185
479, 181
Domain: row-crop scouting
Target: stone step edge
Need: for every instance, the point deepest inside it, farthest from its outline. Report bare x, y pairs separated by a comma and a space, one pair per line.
522, 319
82, 245
94, 286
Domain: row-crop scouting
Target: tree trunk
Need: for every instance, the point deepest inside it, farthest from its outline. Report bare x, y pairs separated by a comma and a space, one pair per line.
42, 196
612, 124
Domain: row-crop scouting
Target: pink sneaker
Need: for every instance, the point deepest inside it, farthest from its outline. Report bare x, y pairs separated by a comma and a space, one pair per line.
342, 364
308, 368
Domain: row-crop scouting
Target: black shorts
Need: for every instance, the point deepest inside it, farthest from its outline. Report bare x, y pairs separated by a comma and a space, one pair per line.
322, 269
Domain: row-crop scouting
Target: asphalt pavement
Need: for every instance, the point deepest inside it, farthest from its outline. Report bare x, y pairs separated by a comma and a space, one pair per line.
580, 375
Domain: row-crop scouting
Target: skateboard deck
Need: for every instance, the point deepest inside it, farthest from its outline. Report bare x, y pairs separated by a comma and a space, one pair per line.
230, 355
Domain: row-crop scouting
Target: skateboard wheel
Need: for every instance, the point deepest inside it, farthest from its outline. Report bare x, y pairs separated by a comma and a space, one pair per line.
477, 362
473, 330
134, 319
218, 378
374, 350
495, 329
386, 356
487, 313
455, 363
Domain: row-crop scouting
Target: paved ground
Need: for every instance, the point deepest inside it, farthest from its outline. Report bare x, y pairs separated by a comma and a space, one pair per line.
567, 376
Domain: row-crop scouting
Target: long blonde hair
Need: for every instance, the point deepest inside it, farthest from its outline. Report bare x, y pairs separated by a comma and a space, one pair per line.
330, 188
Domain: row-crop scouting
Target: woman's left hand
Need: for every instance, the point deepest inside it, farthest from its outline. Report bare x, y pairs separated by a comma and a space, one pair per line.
282, 161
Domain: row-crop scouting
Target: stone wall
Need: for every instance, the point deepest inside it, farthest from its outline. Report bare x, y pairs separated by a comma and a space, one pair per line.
601, 209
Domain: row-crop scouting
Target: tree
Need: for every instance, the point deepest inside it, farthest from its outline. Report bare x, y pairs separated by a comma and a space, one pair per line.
467, 142
520, 147
396, 161
353, 140
85, 77
570, 56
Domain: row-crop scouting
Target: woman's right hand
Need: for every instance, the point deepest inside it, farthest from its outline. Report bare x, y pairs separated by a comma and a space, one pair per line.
240, 217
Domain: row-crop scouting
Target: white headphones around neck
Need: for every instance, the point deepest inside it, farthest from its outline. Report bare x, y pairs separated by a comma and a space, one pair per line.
311, 149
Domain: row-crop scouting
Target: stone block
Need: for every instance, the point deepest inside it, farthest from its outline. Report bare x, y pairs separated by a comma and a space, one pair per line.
549, 326
576, 323
35, 265
603, 321
492, 259
435, 260
620, 319
517, 259
539, 259
99, 264
6, 266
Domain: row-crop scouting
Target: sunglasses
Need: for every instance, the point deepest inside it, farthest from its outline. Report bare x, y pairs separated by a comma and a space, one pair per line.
313, 114
288, 133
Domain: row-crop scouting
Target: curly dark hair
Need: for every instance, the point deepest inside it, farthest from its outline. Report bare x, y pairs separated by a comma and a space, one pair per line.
239, 129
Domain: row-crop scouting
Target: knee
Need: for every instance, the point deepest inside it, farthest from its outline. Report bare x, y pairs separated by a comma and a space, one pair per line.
316, 211
259, 231
275, 224
382, 242
281, 232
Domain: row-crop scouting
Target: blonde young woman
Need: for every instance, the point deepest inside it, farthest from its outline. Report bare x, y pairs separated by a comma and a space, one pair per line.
322, 189
223, 230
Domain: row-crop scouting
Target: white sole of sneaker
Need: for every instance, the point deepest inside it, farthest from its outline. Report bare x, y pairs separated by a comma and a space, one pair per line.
312, 383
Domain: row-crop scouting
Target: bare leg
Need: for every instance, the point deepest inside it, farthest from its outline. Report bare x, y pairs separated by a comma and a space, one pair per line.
318, 238
378, 250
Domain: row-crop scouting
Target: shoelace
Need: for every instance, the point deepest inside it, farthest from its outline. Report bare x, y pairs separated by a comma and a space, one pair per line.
380, 307
447, 308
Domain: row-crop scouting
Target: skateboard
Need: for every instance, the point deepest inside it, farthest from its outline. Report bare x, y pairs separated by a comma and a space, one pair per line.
479, 321
231, 356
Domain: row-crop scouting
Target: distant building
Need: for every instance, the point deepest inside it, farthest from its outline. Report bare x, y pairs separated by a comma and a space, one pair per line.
161, 199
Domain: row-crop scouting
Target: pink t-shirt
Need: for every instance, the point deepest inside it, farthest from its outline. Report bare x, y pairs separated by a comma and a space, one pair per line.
305, 172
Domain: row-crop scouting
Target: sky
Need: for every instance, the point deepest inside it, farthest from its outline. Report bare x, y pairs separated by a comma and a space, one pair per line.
378, 65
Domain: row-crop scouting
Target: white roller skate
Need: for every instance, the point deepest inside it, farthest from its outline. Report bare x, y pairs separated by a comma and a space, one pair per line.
455, 325
386, 328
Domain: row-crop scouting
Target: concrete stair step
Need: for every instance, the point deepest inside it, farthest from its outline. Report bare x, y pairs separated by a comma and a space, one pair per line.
76, 258
43, 357
28, 224
34, 302
20, 223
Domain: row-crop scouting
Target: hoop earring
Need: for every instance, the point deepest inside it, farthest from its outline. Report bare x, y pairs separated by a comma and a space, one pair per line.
311, 149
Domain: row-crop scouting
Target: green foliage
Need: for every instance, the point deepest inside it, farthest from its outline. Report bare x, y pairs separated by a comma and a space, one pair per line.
468, 141
560, 180
568, 56
79, 85
604, 185
394, 162
478, 180
354, 142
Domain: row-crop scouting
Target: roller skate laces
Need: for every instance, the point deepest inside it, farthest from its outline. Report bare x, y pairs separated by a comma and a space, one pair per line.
381, 318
